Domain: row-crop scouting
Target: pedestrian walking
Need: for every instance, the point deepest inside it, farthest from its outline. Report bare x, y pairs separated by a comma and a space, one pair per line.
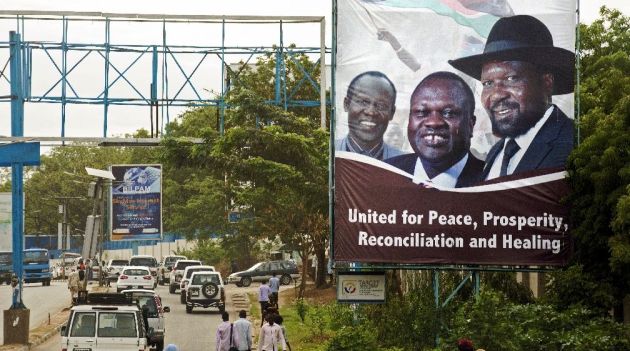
279, 321
73, 285
243, 332
225, 334
263, 298
274, 285
271, 336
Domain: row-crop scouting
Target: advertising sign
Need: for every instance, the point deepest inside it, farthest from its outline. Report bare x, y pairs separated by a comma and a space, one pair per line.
365, 287
453, 126
6, 222
136, 202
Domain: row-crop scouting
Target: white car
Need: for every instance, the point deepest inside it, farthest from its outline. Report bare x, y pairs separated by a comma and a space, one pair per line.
205, 290
178, 272
145, 261
188, 271
114, 267
135, 277
104, 322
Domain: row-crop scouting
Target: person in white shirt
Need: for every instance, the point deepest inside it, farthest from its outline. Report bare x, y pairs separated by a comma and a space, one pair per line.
274, 285
271, 336
225, 334
243, 332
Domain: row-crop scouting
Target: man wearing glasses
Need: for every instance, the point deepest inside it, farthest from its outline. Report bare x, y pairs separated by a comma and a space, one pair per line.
370, 103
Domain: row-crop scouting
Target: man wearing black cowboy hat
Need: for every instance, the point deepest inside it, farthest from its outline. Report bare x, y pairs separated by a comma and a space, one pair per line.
520, 70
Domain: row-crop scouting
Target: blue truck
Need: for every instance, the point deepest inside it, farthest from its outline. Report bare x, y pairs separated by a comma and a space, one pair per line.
37, 266
6, 266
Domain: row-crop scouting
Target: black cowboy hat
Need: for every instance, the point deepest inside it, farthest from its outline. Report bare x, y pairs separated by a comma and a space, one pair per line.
523, 38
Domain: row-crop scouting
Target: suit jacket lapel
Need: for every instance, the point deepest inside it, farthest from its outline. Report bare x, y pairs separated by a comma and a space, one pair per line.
492, 154
542, 144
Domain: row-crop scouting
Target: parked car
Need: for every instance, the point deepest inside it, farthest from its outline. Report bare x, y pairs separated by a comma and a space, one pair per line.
65, 265
165, 267
151, 302
205, 290
262, 271
114, 267
135, 277
177, 273
145, 261
188, 271
104, 322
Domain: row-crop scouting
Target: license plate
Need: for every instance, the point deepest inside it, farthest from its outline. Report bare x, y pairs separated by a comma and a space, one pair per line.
82, 349
195, 293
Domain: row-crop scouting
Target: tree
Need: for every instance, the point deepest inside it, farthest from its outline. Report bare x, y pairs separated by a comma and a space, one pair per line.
271, 165
599, 167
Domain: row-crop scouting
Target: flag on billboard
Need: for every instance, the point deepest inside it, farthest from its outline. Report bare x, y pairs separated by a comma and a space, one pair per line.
453, 126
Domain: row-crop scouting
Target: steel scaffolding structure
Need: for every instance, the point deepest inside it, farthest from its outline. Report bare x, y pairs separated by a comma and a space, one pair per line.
167, 83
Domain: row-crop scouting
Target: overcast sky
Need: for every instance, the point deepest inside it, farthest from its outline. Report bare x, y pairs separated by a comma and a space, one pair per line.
44, 119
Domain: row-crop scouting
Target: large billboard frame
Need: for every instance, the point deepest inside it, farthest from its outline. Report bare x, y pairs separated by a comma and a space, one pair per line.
419, 266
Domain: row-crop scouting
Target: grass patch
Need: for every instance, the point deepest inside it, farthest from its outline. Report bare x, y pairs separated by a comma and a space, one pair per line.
300, 335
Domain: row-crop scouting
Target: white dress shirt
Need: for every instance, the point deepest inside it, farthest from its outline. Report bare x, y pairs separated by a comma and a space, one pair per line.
523, 141
446, 179
270, 337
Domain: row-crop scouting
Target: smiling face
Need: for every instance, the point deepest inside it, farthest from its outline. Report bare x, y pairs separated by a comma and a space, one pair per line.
370, 106
441, 122
515, 95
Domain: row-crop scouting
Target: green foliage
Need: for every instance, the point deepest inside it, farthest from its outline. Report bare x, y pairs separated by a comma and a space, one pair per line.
302, 308
350, 338
317, 320
599, 167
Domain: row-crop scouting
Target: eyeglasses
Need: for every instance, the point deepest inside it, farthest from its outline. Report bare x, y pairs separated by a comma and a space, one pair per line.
366, 103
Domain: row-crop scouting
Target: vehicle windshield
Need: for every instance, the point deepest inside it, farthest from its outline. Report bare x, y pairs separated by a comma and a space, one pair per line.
36, 256
136, 272
120, 263
193, 270
143, 261
254, 267
6, 257
183, 265
172, 259
200, 279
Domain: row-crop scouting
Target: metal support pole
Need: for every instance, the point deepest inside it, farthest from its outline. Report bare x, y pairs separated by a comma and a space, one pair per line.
322, 73
154, 72
436, 296
476, 283
64, 67
106, 90
17, 129
222, 99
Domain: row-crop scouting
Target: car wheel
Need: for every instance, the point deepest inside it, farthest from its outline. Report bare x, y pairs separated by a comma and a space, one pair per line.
246, 281
285, 279
238, 285
182, 297
189, 309
210, 290
171, 289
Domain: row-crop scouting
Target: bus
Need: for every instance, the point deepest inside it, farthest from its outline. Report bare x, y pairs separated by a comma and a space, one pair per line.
37, 266
6, 266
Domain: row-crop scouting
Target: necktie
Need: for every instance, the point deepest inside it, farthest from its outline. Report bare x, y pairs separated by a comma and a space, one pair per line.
510, 149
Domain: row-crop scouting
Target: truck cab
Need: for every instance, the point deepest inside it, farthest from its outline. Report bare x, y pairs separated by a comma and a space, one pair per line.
37, 266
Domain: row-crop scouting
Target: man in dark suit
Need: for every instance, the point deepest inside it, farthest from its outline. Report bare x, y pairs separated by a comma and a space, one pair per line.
441, 121
520, 70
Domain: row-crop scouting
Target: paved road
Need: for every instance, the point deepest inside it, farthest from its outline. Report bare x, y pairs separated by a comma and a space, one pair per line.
191, 332
41, 300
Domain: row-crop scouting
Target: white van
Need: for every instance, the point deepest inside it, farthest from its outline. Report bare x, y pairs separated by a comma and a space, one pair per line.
105, 322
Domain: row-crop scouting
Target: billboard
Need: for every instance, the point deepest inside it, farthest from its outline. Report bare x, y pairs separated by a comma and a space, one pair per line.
136, 202
453, 126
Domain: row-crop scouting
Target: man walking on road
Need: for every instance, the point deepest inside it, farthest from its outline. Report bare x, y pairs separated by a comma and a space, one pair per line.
225, 334
243, 332
263, 297
274, 285
270, 336
73, 285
